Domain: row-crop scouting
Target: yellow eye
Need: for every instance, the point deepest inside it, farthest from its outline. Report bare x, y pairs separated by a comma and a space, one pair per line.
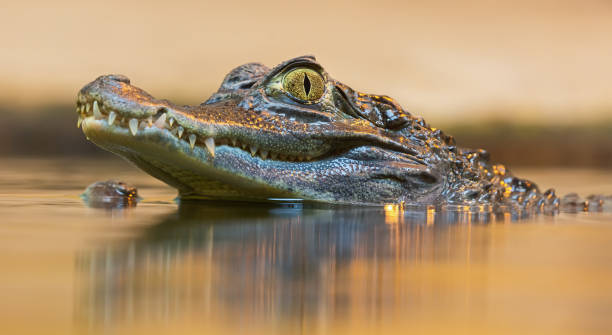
304, 84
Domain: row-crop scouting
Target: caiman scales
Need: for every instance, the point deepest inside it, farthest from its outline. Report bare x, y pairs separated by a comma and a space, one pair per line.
293, 132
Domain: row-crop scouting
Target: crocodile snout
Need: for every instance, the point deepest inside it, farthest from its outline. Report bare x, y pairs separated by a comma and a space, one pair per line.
115, 92
103, 83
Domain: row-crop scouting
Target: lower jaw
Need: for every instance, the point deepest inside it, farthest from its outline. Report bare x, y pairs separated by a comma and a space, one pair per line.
195, 173
192, 171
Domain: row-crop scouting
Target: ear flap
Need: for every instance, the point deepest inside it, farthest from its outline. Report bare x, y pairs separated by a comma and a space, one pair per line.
243, 77
381, 110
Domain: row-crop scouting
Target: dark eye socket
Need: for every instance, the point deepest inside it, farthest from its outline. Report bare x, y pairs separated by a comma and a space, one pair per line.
304, 84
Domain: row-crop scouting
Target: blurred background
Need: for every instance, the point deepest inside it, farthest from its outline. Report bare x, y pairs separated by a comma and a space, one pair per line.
531, 81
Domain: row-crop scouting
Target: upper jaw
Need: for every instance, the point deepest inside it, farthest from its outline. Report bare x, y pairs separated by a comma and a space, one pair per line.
112, 98
121, 107
116, 93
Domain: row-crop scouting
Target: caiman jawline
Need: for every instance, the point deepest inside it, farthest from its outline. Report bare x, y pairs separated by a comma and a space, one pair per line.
98, 111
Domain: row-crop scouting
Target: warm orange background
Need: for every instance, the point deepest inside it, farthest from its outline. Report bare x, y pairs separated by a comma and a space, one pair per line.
440, 59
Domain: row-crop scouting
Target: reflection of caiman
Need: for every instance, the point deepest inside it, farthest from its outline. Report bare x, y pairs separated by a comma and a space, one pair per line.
293, 132
261, 261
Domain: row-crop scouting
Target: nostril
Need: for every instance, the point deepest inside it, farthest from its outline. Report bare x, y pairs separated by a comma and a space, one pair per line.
119, 77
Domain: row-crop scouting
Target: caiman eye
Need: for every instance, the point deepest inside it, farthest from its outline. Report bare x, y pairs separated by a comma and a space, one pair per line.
304, 83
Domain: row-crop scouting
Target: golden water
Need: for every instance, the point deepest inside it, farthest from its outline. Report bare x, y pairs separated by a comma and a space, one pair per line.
226, 268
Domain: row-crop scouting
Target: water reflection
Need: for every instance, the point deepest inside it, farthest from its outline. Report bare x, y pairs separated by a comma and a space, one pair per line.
267, 262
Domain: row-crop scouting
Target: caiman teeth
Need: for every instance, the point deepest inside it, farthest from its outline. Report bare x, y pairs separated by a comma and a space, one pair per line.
161, 121
111, 118
165, 121
192, 140
96, 110
133, 126
210, 145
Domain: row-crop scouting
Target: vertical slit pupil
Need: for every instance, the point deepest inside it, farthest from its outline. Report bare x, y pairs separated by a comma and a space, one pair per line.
306, 84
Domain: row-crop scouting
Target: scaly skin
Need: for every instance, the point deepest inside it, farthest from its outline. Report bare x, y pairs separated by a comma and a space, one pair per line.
252, 140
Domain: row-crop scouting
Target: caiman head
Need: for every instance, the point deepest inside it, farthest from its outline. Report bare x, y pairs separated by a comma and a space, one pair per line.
287, 132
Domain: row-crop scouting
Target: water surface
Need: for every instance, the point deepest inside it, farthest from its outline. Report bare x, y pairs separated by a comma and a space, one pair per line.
227, 268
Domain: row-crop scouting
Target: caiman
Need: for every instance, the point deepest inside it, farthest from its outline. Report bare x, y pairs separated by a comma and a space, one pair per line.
293, 132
